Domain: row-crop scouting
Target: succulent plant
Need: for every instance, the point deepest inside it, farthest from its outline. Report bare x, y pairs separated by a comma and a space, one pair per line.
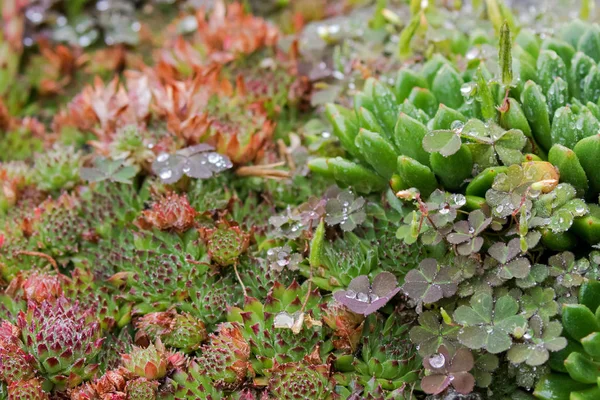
57, 169
458, 258
225, 359
347, 326
192, 383
171, 212
300, 379
150, 363
391, 362
225, 242
27, 389
63, 338
575, 364
342, 261
15, 364
270, 343
181, 331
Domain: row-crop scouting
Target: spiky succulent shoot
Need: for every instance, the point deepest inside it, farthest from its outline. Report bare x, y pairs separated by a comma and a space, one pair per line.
258, 277
131, 145
142, 389
64, 339
30, 389
171, 212
300, 380
225, 242
391, 361
343, 259
99, 297
181, 331
157, 281
273, 341
110, 204
225, 359
209, 300
147, 362
243, 139
15, 364
113, 347
395, 256
193, 384
57, 169
347, 326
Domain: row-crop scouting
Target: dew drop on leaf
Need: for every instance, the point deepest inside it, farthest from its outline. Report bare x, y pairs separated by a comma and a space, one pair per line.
437, 360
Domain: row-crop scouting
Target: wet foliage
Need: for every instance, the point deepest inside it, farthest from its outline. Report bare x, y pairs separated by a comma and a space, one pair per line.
307, 199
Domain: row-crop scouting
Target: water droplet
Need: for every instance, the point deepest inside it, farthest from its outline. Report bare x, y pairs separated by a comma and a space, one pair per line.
457, 126
444, 208
471, 230
499, 209
282, 263
373, 297
527, 336
437, 360
580, 209
489, 330
186, 169
333, 29
102, 5
162, 157
270, 252
326, 135
351, 294
213, 158
459, 199
166, 174
362, 297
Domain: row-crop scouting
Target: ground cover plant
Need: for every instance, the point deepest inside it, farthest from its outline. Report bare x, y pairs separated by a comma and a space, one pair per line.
299, 200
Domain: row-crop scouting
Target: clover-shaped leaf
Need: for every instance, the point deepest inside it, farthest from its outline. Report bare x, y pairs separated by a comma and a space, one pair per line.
442, 207
487, 325
508, 264
539, 301
346, 210
365, 298
465, 234
537, 274
429, 283
568, 271
288, 224
198, 161
279, 258
445, 142
444, 370
106, 169
485, 364
509, 146
432, 332
491, 142
540, 340
509, 192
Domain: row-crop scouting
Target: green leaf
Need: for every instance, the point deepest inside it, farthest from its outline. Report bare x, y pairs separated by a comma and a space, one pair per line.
579, 321
431, 333
445, 142
505, 54
486, 326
